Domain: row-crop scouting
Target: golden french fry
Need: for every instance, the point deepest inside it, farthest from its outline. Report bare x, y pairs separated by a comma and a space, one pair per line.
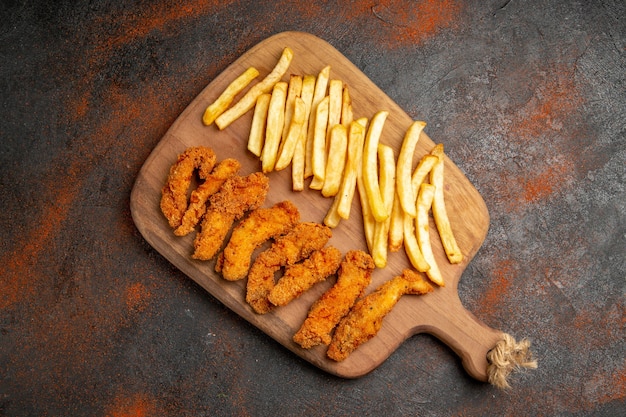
437, 150
370, 166
299, 155
318, 158
335, 88
257, 129
405, 165
346, 107
440, 214
411, 246
294, 90
264, 86
336, 160
321, 84
422, 170
274, 127
368, 219
424, 204
387, 189
220, 105
332, 217
335, 92
316, 183
289, 142
343, 199
396, 225
356, 137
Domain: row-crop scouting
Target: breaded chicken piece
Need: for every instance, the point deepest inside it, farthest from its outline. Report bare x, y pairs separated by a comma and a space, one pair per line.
261, 225
288, 249
366, 317
236, 196
355, 274
301, 277
174, 192
197, 201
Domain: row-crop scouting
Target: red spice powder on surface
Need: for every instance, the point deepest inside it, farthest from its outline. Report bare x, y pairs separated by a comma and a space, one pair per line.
137, 405
545, 182
616, 386
137, 296
555, 100
158, 16
604, 387
522, 189
503, 275
551, 116
20, 264
412, 22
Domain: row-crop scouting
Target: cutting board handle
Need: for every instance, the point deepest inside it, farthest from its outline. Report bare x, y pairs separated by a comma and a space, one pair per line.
465, 334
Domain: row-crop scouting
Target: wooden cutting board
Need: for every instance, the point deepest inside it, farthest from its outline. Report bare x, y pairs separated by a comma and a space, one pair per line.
439, 313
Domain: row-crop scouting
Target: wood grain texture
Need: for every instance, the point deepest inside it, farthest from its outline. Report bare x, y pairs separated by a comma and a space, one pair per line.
439, 313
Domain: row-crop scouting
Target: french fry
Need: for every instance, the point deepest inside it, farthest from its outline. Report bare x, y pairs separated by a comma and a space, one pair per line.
257, 129
274, 127
318, 158
340, 209
411, 245
370, 166
387, 189
321, 84
335, 88
368, 218
220, 105
356, 138
422, 170
347, 115
440, 215
335, 92
294, 90
264, 86
289, 142
336, 160
405, 165
334, 117
437, 150
299, 155
332, 218
396, 225
316, 183
424, 204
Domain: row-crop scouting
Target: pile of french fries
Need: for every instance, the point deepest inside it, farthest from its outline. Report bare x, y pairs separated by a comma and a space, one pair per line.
308, 123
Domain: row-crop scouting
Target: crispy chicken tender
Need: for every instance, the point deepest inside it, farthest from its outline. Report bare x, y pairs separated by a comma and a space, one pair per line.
355, 274
174, 192
366, 317
236, 196
261, 225
197, 201
301, 277
298, 244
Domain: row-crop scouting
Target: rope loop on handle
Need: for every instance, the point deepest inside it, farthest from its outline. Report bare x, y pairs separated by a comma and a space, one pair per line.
508, 356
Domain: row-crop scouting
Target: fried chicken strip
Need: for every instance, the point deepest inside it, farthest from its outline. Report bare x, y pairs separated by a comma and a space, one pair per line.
261, 225
298, 244
355, 274
198, 199
236, 196
366, 317
174, 192
301, 277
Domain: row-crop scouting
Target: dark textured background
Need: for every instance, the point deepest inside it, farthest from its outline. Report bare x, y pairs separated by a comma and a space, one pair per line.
529, 98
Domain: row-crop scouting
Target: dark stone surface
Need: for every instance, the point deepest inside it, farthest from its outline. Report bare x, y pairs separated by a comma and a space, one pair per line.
528, 97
